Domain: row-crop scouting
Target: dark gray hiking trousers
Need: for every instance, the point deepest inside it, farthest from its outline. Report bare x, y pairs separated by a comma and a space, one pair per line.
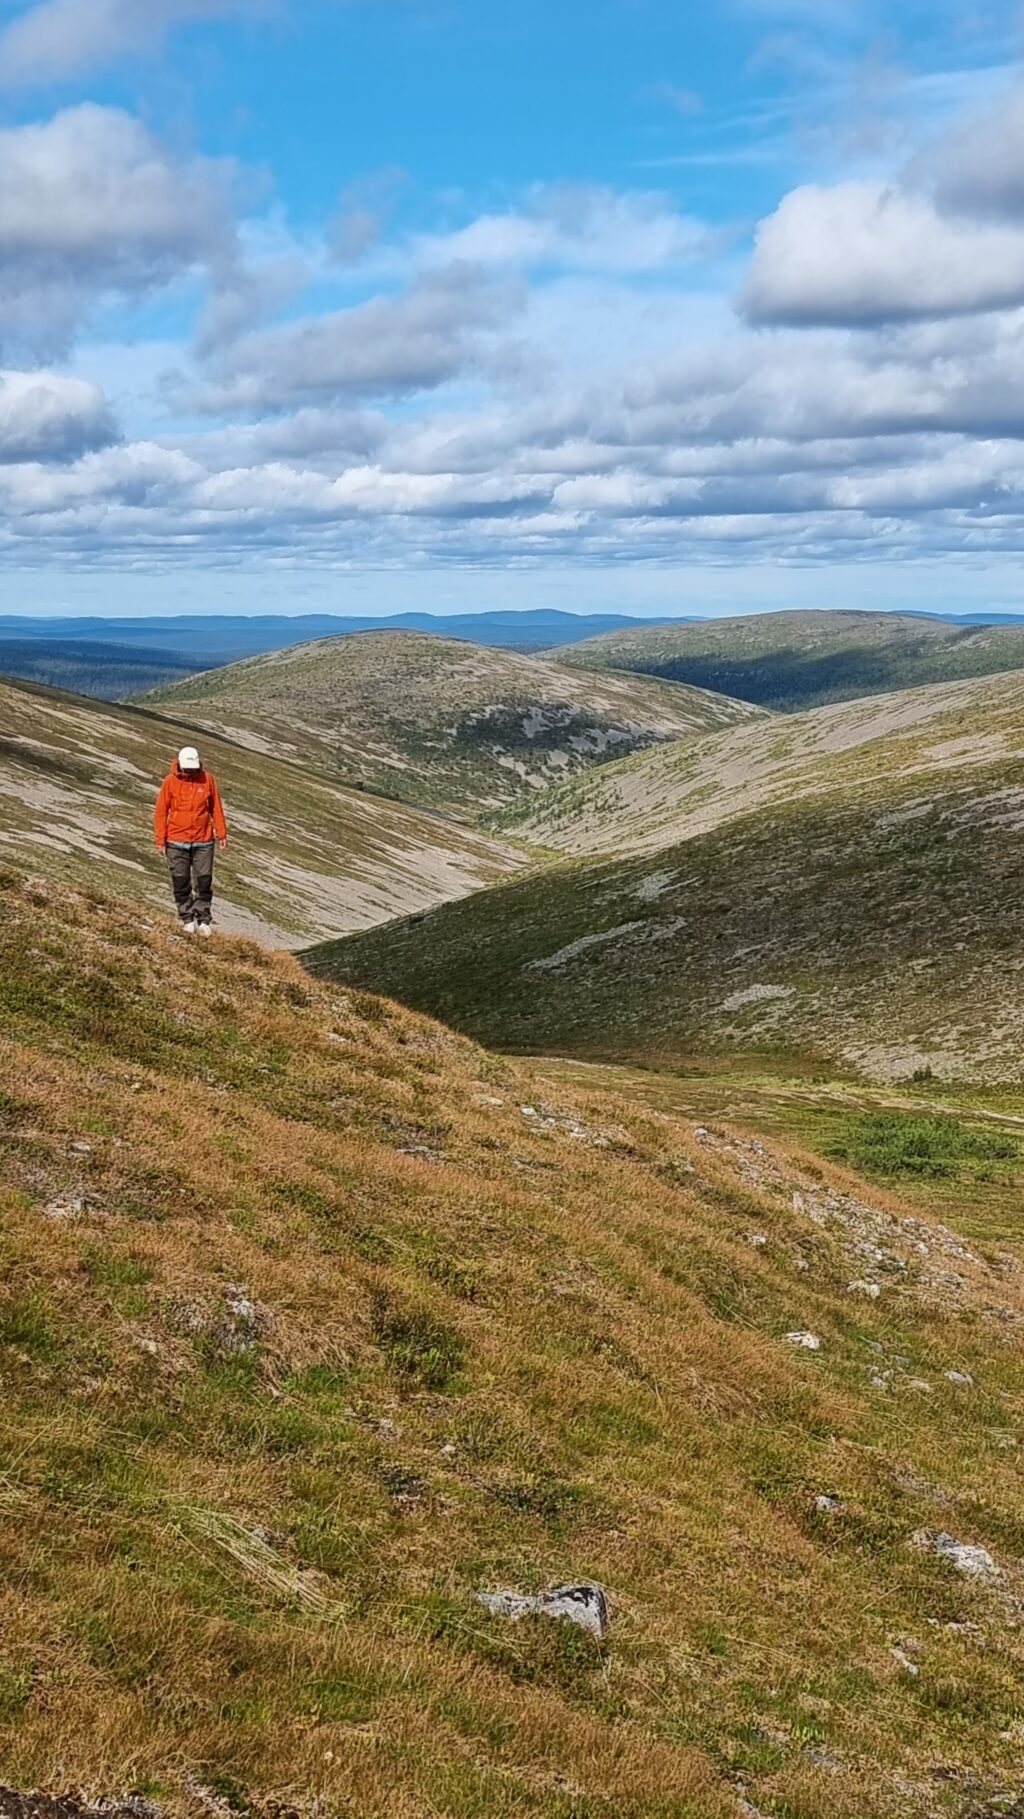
192, 880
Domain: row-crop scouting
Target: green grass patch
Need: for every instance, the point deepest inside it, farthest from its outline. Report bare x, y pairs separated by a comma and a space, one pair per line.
899, 1144
419, 1347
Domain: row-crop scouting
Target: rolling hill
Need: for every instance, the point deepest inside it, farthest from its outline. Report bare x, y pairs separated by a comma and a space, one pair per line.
78, 779
675, 791
793, 660
860, 908
318, 1325
449, 725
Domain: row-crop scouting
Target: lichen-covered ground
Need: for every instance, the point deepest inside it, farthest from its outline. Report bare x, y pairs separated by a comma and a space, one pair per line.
436, 721
316, 1320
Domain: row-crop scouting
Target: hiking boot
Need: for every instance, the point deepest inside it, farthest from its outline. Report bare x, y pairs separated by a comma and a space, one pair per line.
188, 928
205, 928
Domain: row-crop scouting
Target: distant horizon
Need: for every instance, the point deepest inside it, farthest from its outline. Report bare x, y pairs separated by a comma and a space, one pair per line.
205, 615
368, 303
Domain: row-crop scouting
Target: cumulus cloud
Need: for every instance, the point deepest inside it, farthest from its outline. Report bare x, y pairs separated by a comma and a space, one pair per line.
389, 347
50, 417
91, 205
977, 167
865, 252
55, 40
575, 226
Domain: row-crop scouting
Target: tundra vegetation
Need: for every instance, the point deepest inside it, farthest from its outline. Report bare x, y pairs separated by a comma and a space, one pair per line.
328, 1337
316, 1320
792, 660
440, 722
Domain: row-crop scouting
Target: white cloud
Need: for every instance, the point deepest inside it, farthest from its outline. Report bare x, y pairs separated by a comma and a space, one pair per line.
576, 227
49, 417
91, 205
56, 40
866, 252
391, 346
977, 167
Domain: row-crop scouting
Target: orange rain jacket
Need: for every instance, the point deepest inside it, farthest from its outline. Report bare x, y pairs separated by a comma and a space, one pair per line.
188, 809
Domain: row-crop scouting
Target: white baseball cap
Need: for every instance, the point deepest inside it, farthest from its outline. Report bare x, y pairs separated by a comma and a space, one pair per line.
188, 758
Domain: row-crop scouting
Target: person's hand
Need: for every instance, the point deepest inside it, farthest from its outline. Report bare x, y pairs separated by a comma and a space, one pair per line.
161, 846
223, 844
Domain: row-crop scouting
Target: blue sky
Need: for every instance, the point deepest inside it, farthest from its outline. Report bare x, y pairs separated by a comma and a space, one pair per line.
376, 304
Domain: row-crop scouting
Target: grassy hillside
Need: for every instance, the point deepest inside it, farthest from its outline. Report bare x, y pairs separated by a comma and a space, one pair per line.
446, 724
316, 1321
77, 784
878, 926
673, 792
788, 661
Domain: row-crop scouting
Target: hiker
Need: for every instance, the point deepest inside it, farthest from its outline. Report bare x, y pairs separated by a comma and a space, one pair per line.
187, 820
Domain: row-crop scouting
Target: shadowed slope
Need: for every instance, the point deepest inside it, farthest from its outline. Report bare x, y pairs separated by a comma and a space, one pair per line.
77, 784
877, 926
435, 721
315, 1321
788, 661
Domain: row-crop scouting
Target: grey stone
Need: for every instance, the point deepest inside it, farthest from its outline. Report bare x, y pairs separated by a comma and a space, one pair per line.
585, 1605
973, 1562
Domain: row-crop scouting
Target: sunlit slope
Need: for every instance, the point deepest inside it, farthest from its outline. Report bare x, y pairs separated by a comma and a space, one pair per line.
437, 721
935, 734
77, 784
316, 1321
789, 661
880, 927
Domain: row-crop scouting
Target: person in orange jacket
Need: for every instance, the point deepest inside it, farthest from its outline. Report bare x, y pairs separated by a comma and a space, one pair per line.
187, 820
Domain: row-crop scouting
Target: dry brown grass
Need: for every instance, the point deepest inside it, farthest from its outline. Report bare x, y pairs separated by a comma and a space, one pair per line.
239, 1551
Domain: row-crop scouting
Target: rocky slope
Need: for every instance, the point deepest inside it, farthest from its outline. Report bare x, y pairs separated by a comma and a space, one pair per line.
307, 859
938, 735
317, 1324
434, 721
787, 661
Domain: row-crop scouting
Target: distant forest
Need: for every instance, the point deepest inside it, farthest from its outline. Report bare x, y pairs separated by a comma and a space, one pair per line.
108, 672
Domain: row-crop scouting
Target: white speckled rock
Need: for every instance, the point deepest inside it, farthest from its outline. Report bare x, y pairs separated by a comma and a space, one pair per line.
585, 1605
974, 1562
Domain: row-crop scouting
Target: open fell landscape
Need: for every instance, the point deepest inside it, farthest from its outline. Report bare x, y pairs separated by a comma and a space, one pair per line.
318, 1322
840, 889
792, 660
78, 780
326, 1335
438, 722
936, 734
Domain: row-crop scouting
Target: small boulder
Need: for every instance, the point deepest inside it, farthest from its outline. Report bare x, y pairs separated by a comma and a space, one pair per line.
585, 1605
963, 1378
862, 1287
809, 1342
973, 1562
829, 1505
